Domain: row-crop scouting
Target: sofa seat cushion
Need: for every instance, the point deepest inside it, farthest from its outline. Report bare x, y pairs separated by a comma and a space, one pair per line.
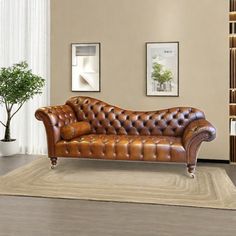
123, 147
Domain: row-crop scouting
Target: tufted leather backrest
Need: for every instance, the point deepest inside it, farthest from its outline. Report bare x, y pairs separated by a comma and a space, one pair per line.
108, 119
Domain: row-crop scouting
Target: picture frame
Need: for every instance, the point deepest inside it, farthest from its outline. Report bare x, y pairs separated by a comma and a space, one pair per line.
162, 69
86, 67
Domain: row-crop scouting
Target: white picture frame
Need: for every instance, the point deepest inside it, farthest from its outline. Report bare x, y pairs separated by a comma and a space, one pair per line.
86, 69
162, 69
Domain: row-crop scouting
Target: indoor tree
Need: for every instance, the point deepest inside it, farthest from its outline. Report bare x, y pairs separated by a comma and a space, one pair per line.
160, 74
17, 85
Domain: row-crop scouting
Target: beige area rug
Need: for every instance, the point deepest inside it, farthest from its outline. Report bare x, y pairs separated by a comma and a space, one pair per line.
122, 182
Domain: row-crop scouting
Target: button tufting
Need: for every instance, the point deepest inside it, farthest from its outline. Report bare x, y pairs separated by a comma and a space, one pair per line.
186, 116
107, 121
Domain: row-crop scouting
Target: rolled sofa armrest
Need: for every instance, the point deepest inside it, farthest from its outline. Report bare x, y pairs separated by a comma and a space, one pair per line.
195, 133
55, 117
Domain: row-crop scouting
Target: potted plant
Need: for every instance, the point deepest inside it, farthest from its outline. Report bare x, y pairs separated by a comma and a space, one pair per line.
161, 75
17, 85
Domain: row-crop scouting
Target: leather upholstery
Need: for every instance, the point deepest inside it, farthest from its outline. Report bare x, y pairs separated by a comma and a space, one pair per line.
197, 127
173, 134
124, 147
195, 133
107, 119
54, 117
75, 130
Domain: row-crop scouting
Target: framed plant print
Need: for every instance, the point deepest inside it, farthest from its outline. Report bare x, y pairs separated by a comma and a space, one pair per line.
86, 67
162, 69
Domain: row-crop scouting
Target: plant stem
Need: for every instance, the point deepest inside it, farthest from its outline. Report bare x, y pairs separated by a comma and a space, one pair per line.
2, 123
16, 110
7, 136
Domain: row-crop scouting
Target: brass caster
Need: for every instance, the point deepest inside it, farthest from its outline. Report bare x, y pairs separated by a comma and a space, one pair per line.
191, 175
53, 167
53, 162
191, 171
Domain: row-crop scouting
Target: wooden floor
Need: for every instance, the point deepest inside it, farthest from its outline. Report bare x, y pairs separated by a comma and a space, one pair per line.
27, 216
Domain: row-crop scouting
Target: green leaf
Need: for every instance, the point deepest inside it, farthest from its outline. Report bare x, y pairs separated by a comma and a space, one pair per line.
160, 74
18, 84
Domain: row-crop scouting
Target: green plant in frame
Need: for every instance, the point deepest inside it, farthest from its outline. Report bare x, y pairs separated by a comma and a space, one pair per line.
17, 85
160, 74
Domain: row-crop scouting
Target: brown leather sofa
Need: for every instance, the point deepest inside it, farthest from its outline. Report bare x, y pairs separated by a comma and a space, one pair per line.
109, 132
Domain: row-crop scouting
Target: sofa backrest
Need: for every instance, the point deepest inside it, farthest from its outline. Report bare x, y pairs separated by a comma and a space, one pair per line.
108, 119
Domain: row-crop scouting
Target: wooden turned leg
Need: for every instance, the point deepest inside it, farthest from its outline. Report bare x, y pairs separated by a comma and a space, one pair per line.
54, 162
191, 170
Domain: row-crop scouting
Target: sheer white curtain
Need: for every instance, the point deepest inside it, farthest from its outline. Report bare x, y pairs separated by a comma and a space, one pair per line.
24, 35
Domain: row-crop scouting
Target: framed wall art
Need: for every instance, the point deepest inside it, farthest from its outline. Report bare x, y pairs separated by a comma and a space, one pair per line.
162, 69
86, 67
